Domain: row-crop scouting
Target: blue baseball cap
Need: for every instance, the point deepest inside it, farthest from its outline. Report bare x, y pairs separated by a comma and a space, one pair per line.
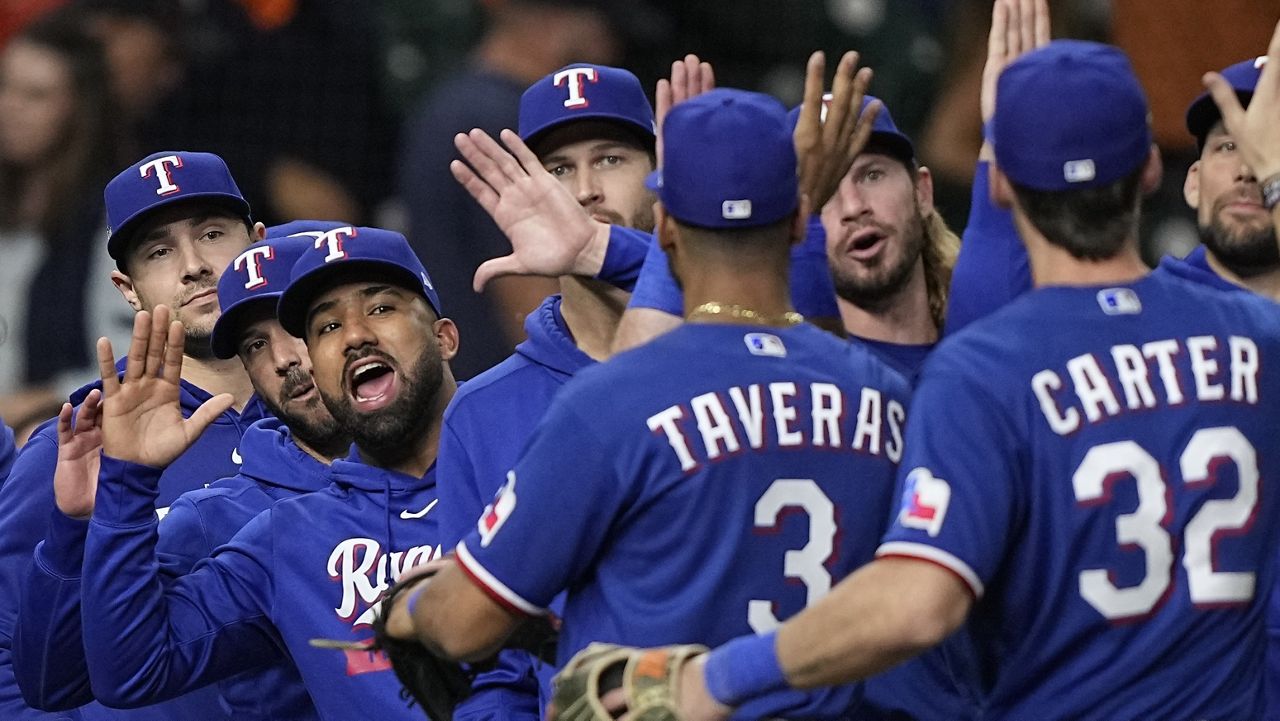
1203, 113
258, 275
585, 92
340, 251
159, 180
729, 163
885, 135
1070, 115
314, 228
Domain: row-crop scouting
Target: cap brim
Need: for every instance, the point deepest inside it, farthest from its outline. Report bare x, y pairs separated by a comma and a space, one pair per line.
296, 300
224, 339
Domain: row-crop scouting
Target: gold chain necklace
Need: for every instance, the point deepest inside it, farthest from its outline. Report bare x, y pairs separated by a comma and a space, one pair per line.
743, 313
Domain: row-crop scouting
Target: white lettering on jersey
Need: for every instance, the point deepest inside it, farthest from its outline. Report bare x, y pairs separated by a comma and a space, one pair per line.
250, 261
666, 421
161, 168
364, 572
714, 425
575, 79
1208, 363
867, 432
897, 418
783, 414
750, 412
828, 407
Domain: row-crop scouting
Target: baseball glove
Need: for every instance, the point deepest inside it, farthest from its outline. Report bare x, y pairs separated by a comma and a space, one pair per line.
649, 679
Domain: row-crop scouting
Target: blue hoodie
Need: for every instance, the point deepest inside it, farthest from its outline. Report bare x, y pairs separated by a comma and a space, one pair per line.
486, 427
51, 666
309, 567
7, 451
26, 509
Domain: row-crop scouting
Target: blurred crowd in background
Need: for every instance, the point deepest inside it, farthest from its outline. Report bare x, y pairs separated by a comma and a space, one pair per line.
346, 109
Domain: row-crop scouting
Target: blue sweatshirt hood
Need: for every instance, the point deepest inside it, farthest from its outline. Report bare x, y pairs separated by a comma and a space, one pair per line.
354, 473
1195, 268
549, 342
272, 458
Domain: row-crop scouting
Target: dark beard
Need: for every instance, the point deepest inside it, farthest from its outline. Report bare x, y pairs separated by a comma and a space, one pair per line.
325, 437
1247, 253
880, 291
391, 434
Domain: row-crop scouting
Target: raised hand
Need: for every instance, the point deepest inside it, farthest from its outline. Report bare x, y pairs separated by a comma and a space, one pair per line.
141, 415
690, 77
1255, 130
826, 146
1017, 27
550, 232
75, 478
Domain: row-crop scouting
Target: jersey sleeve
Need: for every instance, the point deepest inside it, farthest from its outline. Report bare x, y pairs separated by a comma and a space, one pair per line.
48, 648
957, 481
992, 267
624, 256
556, 506
813, 293
656, 288
461, 501
183, 541
146, 643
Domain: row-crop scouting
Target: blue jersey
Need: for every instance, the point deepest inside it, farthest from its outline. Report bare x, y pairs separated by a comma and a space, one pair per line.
26, 509
309, 567
1088, 462
48, 644
7, 451
720, 478
992, 268
486, 425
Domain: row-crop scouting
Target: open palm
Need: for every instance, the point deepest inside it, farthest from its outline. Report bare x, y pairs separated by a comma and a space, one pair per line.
142, 418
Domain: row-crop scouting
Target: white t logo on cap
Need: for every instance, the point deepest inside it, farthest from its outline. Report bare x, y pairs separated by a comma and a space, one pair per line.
333, 239
575, 78
735, 209
1079, 171
251, 260
160, 166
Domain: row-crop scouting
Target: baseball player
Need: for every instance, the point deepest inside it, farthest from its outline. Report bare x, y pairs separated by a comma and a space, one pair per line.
279, 461
176, 219
591, 128
1083, 469
700, 460
311, 566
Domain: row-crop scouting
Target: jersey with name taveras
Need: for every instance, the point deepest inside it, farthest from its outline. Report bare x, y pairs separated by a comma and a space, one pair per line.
1095, 464
708, 484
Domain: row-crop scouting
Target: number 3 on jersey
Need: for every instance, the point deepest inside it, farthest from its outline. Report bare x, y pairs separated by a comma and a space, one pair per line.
805, 564
1144, 527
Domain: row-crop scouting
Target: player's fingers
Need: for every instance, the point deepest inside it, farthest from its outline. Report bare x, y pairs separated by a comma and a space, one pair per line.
136, 360
811, 105
483, 154
107, 367
840, 114
1013, 31
1225, 98
679, 82
206, 414
997, 41
475, 186
862, 133
1027, 26
156, 342
171, 371
523, 155
1269, 81
90, 409
708, 75
64, 424
495, 268
662, 100
1043, 28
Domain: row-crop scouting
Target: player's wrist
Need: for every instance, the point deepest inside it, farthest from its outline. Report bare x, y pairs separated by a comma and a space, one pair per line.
1271, 190
590, 260
743, 669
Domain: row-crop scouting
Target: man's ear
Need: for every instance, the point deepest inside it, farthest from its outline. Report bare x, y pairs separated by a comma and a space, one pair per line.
1001, 189
1191, 186
447, 338
1152, 171
663, 227
259, 232
924, 190
124, 284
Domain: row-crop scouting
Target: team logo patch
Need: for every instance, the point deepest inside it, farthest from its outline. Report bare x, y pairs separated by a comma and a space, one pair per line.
1079, 171
735, 209
766, 344
497, 512
1119, 301
924, 501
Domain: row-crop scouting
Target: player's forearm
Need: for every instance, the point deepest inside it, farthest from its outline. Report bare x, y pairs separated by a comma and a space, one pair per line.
870, 622
453, 623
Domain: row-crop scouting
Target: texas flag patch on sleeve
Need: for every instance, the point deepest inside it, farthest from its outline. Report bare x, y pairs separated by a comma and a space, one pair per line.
924, 501
497, 512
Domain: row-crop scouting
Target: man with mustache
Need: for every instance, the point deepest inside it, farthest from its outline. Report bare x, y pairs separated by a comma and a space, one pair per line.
311, 566
177, 219
283, 456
